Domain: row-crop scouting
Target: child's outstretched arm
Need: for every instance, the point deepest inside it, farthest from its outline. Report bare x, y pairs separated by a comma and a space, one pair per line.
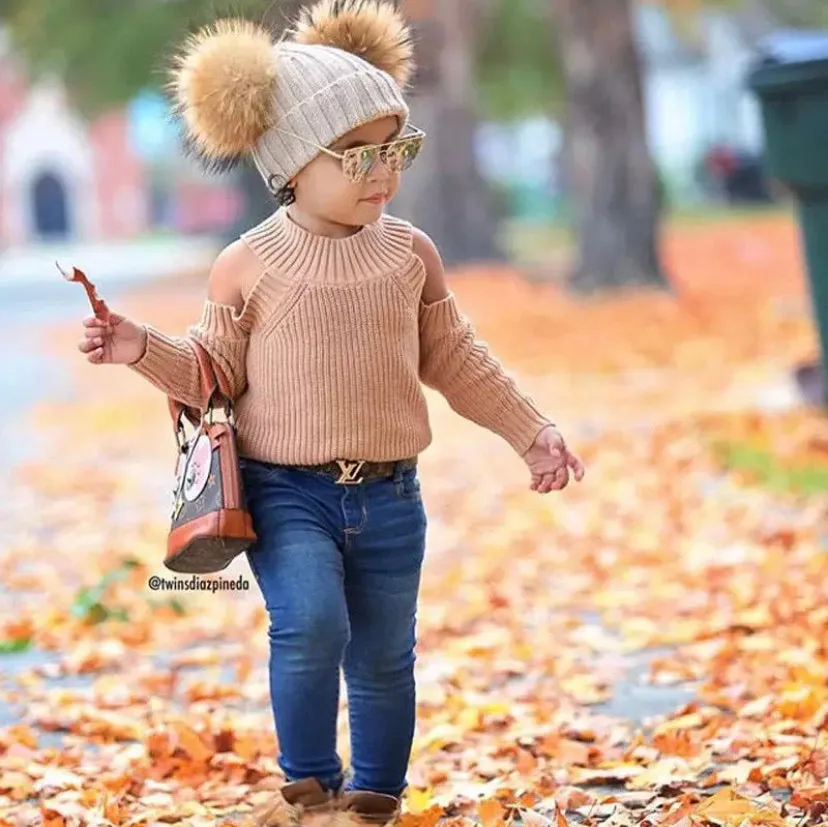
169, 362
454, 362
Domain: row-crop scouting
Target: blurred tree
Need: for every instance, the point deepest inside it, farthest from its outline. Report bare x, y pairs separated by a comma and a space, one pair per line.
518, 74
447, 196
612, 181
591, 79
106, 52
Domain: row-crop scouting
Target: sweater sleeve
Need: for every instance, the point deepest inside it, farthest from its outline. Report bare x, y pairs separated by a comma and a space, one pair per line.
455, 363
170, 363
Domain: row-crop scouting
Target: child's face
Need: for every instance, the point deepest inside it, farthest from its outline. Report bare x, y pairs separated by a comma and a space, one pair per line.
322, 190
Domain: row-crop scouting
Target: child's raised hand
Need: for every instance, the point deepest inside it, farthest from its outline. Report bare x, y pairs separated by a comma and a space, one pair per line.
550, 462
116, 340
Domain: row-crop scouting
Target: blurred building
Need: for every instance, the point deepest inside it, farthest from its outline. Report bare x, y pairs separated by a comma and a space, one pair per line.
63, 177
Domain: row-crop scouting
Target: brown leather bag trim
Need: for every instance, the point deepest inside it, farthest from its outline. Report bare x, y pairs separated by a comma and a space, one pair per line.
233, 523
228, 457
223, 438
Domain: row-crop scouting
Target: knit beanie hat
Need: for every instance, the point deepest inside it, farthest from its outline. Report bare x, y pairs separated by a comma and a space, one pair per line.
241, 94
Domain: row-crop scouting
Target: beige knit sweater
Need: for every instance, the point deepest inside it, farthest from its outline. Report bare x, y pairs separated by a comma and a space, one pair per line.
327, 355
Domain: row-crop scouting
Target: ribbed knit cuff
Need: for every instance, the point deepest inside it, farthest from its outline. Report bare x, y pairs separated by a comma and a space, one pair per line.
520, 424
163, 358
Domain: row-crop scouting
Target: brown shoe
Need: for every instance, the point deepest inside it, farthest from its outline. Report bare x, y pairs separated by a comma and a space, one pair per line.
292, 802
371, 808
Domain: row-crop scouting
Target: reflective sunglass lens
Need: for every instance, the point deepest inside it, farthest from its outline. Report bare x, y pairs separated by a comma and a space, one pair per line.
411, 151
401, 155
367, 159
397, 156
357, 163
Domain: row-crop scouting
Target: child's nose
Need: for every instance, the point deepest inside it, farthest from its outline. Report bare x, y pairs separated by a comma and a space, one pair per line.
379, 171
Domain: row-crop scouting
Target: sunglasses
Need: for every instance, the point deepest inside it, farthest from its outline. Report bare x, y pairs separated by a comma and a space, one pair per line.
397, 155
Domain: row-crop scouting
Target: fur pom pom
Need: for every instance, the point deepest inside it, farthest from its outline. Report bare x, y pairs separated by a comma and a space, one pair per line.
222, 85
371, 29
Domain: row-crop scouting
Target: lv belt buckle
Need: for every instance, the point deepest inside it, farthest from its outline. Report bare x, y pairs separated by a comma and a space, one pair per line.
350, 470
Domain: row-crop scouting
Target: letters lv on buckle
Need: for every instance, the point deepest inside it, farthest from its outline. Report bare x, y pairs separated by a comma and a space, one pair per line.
350, 469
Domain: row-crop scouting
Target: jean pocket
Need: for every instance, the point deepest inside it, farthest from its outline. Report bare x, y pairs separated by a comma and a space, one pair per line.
408, 487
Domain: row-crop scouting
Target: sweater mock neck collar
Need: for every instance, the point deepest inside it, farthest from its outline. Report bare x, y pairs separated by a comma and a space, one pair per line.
375, 249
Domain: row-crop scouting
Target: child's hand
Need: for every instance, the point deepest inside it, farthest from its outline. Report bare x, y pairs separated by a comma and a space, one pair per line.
550, 462
118, 341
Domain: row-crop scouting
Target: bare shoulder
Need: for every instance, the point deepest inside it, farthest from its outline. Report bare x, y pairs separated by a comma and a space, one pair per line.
425, 249
234, 272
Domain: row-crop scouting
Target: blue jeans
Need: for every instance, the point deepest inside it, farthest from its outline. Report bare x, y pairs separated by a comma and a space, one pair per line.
339, 569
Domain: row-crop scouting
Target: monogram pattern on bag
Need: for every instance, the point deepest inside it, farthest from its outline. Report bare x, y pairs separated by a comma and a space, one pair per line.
210, 499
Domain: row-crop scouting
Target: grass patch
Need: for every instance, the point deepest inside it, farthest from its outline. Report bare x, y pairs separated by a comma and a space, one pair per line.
535, 241
538, 241
705, 215
759, 467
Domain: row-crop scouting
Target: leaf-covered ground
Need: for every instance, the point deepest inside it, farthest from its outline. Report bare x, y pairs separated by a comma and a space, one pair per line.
648, 647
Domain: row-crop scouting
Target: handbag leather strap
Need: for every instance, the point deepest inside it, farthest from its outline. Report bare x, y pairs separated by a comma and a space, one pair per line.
214, 389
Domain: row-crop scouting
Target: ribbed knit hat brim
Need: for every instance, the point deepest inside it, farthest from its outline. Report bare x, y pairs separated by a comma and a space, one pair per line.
320, 94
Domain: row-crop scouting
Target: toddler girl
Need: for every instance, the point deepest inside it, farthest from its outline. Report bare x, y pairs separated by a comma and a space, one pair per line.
324, 320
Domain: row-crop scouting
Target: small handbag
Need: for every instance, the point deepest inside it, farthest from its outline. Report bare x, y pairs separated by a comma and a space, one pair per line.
210, 523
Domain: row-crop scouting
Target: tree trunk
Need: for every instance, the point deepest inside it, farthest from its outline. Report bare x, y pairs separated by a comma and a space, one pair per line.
612, 181
444, 193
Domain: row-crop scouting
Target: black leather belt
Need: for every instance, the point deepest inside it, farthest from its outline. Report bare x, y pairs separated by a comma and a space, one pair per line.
354, 472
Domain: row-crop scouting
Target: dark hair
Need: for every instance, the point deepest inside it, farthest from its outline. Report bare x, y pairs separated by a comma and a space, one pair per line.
285, 196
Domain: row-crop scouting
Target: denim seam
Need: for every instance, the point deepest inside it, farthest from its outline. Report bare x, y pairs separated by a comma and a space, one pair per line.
254, 566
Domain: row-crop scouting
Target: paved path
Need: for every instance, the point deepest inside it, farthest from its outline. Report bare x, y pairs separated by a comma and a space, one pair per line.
106, 264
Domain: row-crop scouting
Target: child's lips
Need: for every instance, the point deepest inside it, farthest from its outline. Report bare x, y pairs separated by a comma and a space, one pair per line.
379, 198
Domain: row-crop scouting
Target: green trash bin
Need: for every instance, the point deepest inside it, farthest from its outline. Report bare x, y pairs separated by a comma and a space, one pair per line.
791, 82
